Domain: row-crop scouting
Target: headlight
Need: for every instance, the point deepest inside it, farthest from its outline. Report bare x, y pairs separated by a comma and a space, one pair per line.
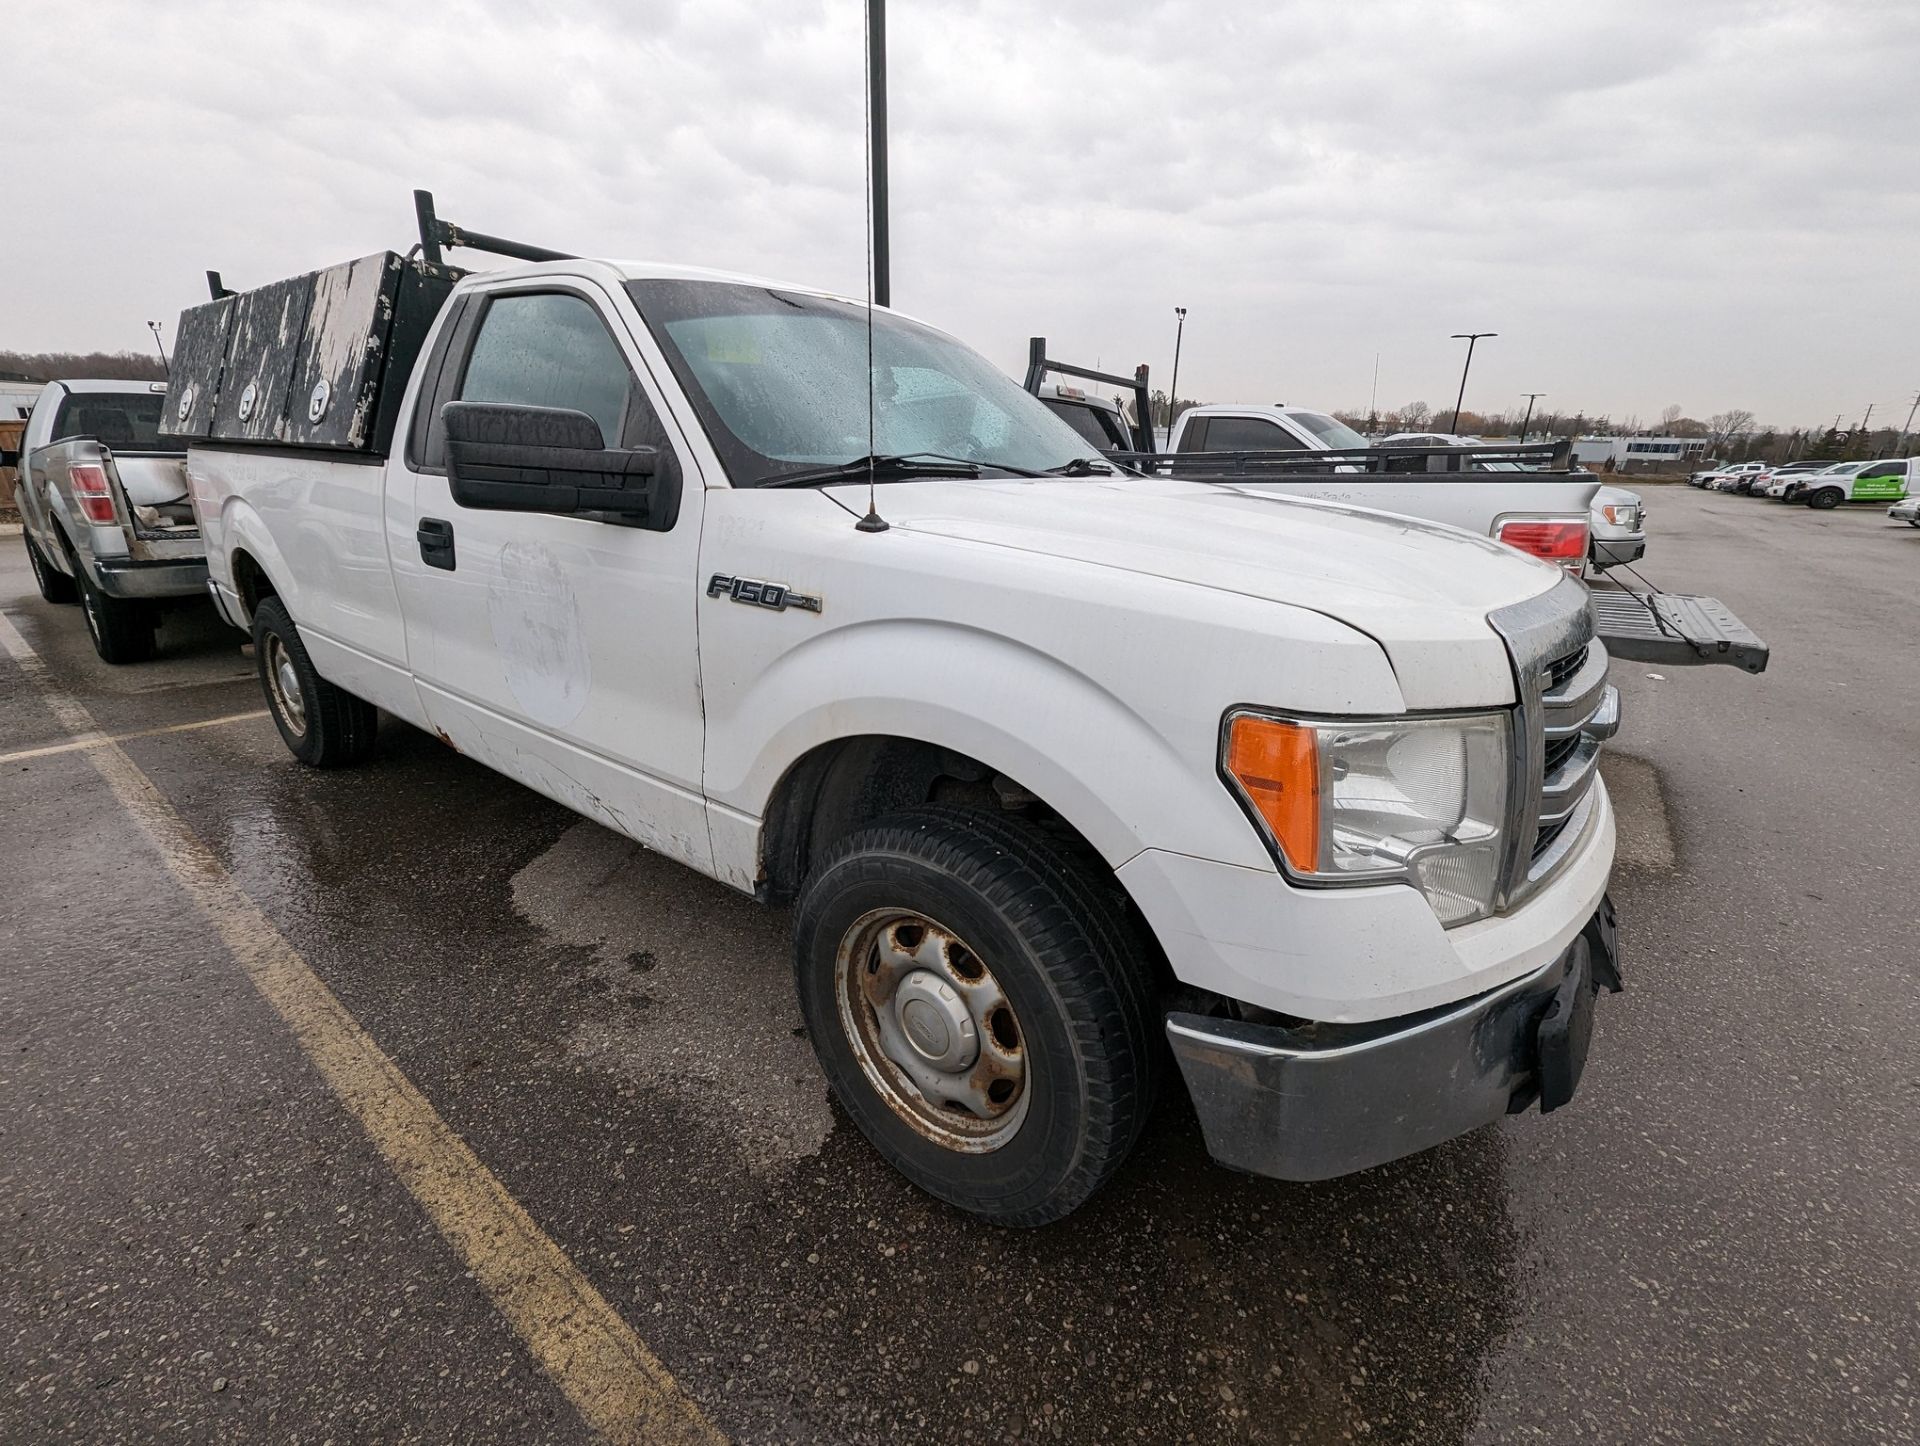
1418, 800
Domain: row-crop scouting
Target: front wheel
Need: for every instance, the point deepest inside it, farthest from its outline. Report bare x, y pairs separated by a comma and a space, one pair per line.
321, 725
1825, 498
981, 1003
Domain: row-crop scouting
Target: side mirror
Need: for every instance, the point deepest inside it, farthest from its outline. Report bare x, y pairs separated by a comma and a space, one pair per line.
508, 458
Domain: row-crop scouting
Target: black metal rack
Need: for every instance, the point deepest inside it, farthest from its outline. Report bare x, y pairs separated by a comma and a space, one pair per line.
1040, 366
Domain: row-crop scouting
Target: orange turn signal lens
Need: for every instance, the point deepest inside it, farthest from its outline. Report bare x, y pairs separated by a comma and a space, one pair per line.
1278, 766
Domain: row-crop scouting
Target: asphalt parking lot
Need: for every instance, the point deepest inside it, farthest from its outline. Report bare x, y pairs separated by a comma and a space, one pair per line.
213, 1228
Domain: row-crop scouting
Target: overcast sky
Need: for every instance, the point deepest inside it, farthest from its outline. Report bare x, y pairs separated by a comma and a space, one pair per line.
1695, 201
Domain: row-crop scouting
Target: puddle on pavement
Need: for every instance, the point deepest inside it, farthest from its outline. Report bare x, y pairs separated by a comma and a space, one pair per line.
689, 989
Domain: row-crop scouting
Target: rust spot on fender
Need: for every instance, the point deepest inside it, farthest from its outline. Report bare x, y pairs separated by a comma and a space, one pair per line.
441, 734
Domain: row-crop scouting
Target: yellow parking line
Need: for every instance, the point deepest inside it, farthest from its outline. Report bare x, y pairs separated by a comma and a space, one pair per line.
96, 739
616, 1384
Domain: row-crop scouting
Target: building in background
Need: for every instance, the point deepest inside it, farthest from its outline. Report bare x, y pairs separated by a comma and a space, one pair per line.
1638, 454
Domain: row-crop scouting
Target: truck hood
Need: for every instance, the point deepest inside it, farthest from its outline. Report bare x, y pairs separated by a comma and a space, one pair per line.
1421, 590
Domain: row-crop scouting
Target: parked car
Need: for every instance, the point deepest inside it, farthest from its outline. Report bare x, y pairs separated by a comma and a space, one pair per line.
104, 500
1907, 511
1722, 479
1887, 481
1058, 766
1786, 486
1763, 485
1619, 526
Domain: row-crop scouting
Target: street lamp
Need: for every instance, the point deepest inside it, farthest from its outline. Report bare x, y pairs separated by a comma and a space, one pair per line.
1173, 391
1469, 337
165, 365
1531, 397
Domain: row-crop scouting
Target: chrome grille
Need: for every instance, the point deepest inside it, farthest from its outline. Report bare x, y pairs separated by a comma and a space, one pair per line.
1566, 709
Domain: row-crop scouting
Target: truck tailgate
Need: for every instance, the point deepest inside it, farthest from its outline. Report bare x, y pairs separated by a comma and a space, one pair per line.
1674, 629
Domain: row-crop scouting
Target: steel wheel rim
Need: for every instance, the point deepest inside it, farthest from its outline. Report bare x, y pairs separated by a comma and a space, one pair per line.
932, 1030
284, 684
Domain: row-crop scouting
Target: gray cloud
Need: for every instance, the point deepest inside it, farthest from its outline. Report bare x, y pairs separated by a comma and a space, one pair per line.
1711, 203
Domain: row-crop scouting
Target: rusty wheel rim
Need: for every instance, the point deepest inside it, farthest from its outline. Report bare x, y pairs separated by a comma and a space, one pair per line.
284, 683
932, 1029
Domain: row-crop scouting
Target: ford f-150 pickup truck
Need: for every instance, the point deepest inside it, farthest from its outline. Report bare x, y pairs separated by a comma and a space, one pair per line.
104, 500
1070, 776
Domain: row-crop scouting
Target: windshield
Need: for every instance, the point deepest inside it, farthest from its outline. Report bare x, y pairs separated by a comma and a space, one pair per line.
126, 421
779, 379
1331, 431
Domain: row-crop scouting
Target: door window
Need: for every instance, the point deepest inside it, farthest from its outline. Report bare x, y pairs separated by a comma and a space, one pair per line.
1248, 434
550, 349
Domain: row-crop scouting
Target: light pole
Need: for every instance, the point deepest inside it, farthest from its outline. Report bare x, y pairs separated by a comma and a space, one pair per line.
1173, 391
165, 365
1469, 337
1531, 397
1900, 446
877, 150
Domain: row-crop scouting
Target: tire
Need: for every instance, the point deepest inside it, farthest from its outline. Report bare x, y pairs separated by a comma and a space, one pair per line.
323, 726
1825, 498
120, 628
55, 586
1055, 944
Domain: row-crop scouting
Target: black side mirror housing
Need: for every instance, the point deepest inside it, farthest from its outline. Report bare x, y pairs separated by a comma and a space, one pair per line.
509, 458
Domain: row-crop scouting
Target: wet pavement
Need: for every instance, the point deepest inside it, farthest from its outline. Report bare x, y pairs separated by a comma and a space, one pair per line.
1717, 1241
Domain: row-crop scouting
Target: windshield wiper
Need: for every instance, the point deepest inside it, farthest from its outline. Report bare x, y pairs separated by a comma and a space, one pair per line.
919, 464
1082, 467
892, 464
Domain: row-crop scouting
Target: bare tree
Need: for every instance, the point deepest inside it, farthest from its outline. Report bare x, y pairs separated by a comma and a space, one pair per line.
1669, 415
1414, 416
1729, 426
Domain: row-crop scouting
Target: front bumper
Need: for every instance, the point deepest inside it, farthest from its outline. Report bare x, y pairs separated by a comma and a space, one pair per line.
150, 579
1313, 1101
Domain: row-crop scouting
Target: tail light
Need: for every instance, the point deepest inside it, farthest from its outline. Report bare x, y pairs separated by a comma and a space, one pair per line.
1563, 541
90, 487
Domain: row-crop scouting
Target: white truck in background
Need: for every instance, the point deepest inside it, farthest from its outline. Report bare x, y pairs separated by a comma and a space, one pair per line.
104, 501
1059, 766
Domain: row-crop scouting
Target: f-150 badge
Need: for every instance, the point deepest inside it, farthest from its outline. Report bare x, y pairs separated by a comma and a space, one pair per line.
755, 593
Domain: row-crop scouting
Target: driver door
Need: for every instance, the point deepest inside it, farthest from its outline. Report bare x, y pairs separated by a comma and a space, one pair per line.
559, 650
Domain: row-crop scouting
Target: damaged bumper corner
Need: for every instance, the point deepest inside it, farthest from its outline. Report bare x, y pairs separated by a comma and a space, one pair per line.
1311, 1102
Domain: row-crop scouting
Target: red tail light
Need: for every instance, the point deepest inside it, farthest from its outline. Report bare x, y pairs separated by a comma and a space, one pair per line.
1564, 542
90, 487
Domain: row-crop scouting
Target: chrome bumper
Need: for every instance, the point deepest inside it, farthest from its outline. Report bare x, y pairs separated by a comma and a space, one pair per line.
149, 579
1312, 1101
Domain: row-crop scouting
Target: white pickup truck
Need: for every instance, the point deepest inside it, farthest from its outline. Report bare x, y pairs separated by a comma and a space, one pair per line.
104, 500
1057, 766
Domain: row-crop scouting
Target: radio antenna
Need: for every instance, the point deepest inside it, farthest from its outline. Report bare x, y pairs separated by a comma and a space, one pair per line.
876, 109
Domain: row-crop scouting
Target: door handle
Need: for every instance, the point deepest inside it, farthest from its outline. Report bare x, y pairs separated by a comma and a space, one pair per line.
435, 537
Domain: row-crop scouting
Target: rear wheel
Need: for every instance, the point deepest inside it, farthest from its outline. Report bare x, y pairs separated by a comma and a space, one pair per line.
55, 586
982, 1006
121, 628
321, 724
1825, 498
